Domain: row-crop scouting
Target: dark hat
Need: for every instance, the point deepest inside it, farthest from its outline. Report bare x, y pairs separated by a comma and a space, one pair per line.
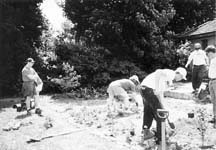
30, 60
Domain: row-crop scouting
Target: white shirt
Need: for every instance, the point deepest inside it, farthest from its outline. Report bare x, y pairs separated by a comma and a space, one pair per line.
212, 69
164, 80
198, 56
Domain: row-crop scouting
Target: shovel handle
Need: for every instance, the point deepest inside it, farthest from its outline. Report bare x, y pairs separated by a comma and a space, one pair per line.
162, 114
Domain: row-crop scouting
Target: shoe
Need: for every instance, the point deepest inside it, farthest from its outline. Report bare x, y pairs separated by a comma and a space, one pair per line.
29, 112
212, 121
148, 134
38, 111
195, 92
158, 142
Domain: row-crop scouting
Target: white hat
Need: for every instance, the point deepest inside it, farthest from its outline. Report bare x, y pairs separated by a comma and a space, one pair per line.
182, 71
134, 77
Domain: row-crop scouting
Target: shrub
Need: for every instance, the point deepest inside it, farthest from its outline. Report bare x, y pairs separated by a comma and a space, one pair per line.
96, 65
69, 80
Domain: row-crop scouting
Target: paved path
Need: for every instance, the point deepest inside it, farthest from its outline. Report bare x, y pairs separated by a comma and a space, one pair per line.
183, 91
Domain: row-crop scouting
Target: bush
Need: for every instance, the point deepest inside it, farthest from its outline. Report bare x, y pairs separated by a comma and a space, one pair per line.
69, 80
96, 65
183, 53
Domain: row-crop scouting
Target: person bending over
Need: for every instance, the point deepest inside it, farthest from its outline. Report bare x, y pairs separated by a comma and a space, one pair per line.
152, 92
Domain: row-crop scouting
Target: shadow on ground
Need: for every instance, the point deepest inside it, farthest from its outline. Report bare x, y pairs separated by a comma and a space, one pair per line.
8, 102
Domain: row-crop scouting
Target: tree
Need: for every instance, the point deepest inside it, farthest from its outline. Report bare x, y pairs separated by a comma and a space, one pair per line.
130, 29
21, 24
191, 13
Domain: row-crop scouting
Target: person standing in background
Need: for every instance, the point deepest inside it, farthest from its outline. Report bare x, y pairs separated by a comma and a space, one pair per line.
32, 85
200, 61
211, 53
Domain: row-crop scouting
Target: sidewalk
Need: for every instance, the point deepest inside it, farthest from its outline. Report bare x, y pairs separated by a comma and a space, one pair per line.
183, 91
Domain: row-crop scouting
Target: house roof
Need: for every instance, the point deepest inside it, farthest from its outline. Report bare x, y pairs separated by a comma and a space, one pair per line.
204, 28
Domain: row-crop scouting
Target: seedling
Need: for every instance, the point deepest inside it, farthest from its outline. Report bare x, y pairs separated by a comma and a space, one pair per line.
202, 127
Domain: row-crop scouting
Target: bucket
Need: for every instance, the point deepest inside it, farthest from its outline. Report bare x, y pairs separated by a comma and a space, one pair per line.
190, 115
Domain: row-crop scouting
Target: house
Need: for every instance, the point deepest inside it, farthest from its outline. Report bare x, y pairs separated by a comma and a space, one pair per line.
205, 34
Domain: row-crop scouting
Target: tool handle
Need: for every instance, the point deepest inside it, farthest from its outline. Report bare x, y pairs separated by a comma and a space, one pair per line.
162, 113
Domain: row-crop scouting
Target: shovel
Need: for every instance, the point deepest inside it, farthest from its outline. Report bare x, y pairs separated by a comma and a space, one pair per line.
171, 124
33, 140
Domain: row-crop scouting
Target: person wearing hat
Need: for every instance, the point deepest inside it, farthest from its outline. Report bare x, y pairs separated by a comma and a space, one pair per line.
32, 85
120, 92
199, 60
152, 91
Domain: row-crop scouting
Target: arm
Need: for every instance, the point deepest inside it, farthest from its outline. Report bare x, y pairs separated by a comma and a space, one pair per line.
158, 74
190, 58
160, 94
206, 59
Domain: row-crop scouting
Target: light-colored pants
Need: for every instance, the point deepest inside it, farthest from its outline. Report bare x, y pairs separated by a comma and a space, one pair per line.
212, 89
118, 98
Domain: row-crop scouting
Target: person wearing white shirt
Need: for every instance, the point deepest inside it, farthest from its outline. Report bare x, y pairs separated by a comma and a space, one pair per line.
32, 86
200, 60
211, 53
120, 92
152, 92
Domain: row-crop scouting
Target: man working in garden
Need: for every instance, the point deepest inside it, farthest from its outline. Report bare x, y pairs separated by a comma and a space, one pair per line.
32, 85
199, 60
152, 91
211, 53
120, 93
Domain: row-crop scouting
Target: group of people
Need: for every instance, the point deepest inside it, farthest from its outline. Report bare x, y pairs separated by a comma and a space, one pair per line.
122, 92
152, 91
203, 64
154, 85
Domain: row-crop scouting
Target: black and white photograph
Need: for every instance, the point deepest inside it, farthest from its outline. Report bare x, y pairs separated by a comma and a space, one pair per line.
107, 74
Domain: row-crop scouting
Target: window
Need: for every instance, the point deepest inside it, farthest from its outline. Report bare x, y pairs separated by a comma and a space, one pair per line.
204, 43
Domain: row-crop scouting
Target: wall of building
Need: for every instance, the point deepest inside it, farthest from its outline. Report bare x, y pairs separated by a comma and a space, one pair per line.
204, 41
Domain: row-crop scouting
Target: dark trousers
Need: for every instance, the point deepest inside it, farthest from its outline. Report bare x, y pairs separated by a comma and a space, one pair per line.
198, 73
151, 104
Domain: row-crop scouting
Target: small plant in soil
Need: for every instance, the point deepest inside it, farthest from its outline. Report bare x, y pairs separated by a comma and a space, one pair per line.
202, 127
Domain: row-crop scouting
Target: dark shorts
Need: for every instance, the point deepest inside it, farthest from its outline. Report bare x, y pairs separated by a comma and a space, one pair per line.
28, 89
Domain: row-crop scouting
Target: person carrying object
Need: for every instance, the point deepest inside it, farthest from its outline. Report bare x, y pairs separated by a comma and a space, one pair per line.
211, 53
120, 92
32, 85
152, 92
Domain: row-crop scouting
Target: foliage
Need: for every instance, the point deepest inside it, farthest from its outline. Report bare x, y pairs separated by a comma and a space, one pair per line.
21, 24
96, 67
131, 30
69, 80
190, 14
201, 123
183, 52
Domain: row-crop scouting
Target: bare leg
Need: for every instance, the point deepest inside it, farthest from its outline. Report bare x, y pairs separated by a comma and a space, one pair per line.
36, 98
28, 102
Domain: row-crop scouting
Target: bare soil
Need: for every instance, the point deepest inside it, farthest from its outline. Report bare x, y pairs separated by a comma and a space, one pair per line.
84, 125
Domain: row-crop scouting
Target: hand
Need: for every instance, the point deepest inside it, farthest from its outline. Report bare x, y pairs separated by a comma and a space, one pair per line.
186, 66
156, 92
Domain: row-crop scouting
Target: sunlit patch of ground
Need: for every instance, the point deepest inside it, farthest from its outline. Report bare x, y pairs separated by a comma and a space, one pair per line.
91, 129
